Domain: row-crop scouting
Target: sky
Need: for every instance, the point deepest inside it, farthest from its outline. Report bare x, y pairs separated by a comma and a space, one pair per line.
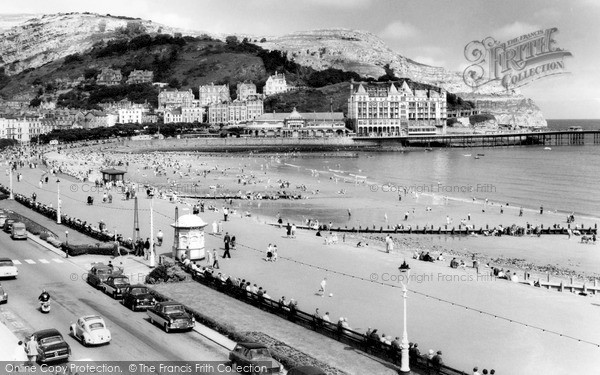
433, 32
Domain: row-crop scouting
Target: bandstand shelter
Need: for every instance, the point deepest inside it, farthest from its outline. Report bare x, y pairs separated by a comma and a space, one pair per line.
113, 175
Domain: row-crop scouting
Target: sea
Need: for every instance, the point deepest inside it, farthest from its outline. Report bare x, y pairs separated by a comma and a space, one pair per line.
562, 178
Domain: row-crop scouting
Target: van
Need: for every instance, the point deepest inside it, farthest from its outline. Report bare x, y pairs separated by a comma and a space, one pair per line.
18, 231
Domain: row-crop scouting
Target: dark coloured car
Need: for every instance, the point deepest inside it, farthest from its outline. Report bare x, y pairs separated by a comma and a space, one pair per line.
171, 316
115, 285
254, 358
8, 225
99, 273
3, 295
138, 297
306, 370
52, 346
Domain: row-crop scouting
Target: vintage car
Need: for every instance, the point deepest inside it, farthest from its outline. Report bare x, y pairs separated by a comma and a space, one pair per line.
306, 370
90, 330
7, 225
99, 272
138, 297
254, 358
8, 268
18, 231
3, 295
115, 285
171, 316
52, 346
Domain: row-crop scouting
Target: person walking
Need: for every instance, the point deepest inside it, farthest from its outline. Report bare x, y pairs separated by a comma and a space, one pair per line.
159, 238
226, 254
216, 260
32, 350
322, 287
147, 248
20, 354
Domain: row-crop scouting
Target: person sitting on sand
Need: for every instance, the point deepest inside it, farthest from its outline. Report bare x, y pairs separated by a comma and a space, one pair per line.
453, 263
428, 258
404, 266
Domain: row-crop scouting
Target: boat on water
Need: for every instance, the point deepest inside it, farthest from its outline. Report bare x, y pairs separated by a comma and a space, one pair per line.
428, 149
467, 155
476, 157
547, 148
480, 154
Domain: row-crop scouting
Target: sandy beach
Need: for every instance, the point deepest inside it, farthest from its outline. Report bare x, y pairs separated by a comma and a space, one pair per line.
476, 321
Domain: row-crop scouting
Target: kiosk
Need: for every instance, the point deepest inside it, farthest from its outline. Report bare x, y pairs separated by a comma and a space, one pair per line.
189, 237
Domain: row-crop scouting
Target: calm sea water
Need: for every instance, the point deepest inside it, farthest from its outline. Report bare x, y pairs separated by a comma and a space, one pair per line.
565, 178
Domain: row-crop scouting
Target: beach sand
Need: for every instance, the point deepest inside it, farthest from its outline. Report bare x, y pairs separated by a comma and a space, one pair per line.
364, 281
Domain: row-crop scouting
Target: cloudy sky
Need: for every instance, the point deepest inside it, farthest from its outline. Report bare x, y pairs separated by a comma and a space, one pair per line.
433, 32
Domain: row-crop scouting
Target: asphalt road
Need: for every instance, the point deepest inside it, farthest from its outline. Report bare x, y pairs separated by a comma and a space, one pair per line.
134, 338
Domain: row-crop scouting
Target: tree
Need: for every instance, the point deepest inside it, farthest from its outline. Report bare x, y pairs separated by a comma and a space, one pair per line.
231, 40
174, 83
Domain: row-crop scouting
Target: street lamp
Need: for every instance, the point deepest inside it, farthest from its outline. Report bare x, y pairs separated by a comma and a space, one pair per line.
404, 367
11, 196
58, 198
151, 232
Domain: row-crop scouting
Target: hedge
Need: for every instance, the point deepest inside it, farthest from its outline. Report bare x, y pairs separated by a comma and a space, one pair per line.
96, 249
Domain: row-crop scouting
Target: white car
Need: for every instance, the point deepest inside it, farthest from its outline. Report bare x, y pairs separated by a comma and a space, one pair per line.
7, 268
90, 330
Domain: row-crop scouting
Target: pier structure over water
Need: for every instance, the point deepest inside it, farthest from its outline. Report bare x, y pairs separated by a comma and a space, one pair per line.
543, 138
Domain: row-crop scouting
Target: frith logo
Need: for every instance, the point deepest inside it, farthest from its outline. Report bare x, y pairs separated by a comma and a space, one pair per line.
516, 62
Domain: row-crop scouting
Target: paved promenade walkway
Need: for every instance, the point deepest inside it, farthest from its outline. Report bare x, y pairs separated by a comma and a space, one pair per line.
494, 331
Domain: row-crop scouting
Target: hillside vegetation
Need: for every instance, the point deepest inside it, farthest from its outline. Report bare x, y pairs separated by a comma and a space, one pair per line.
185, 62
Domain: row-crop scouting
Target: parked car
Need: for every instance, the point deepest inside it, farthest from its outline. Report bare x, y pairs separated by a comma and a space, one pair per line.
99, 272
8, 268
7, 225
254, 358
90, 330
52, 346
3, 295
170, 315
138, 297
115, 285
2, 219
18, 231
306, 370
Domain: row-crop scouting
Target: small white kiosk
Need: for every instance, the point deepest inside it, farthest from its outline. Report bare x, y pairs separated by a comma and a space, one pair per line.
189, 237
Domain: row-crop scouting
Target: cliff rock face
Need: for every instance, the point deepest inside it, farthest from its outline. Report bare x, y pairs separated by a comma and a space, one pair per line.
51, 37
40, 40
368, 55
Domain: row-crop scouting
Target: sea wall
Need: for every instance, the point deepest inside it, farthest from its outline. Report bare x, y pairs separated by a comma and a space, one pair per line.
246, 144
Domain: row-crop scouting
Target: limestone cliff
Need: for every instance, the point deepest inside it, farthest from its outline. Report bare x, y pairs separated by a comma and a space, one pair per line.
47, 38
368, 55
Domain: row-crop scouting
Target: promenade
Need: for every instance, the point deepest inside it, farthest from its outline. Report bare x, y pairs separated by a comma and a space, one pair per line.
365, 288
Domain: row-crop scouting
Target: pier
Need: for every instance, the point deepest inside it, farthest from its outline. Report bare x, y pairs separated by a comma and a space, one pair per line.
543, 138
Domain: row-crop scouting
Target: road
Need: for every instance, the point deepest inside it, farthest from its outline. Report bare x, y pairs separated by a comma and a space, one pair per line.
134, 338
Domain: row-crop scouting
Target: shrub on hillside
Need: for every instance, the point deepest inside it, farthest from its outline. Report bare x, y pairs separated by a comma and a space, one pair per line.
474, 119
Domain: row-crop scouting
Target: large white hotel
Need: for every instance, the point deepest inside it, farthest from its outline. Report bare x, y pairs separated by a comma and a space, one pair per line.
394, 109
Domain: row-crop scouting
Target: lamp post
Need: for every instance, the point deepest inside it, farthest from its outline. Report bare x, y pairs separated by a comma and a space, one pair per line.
58, 198
404, 367
151, 232
11, 196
